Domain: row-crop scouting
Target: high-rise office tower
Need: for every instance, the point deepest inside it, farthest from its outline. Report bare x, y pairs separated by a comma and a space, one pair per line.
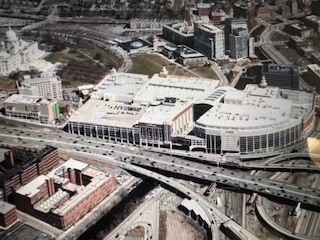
209, 40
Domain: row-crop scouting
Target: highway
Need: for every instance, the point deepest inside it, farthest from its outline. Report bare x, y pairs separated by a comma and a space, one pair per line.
261, 211
307, 196
115, 152
102, 151
278, 167
120, 152
223, 219
145, 215
124, 153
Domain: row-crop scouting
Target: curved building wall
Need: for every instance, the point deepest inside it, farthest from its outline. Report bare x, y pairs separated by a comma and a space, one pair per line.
246, 140
308, 121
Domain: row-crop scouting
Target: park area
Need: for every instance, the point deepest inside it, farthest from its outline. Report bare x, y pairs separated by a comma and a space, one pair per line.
150, 64
90, 64
84, 66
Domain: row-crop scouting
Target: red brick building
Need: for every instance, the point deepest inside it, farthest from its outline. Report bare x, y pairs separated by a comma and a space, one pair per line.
246, 12
21, 167
8, 214
66, 194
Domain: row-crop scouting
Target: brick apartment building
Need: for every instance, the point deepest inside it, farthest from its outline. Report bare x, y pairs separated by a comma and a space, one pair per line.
20, 167
66, 194
8, 214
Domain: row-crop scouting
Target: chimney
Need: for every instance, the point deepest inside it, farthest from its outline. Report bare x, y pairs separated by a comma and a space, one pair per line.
9, 161
72, 175
79, 178
50, 187
64, 173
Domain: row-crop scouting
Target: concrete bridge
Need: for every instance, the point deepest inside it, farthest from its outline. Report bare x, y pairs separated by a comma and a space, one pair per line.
276, 43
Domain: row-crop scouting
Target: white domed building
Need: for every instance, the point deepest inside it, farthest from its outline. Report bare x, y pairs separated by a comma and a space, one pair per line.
16, 54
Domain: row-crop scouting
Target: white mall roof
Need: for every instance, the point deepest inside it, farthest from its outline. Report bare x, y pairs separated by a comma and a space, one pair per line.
119, 86
185, 88
108, 113
260, 107
160, 114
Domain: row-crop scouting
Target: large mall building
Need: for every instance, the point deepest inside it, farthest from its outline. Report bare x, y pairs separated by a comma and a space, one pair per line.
194, 113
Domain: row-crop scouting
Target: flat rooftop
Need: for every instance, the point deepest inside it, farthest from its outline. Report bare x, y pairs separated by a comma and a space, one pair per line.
316, 55
75, 164
208, 27
26, 99
81, 192
302, 102
6, 207
32, 188
183, 88
26, 232
98, 178
160, 114
313, 18
119, 86
307, 49
315, 68
108, 113
299, 26
144, 96
181, 28
28, 80
23, 160
259, 107
297, 39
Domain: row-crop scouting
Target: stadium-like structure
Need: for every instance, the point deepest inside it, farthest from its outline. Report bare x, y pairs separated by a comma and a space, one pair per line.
194, 113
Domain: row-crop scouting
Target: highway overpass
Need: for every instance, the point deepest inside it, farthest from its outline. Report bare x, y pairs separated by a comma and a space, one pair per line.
292, 194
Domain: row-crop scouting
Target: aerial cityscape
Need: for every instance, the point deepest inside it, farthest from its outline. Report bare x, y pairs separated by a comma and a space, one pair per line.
160, 120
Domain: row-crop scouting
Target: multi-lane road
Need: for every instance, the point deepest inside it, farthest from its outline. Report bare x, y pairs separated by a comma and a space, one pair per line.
129, 157
293, 193
119, 153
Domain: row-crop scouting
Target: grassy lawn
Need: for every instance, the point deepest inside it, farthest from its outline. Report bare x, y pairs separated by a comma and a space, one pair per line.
82, 68
82, 71
150, 64
7, 83
205, 72
106, 58
65, 56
